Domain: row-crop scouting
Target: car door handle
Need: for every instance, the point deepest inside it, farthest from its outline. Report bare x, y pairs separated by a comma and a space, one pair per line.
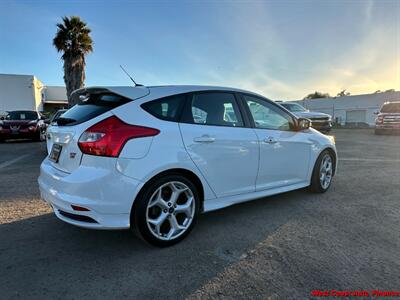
204, 139
270, 140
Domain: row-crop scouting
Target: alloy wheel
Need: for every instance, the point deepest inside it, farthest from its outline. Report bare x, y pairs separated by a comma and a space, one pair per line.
170, 210
326, 171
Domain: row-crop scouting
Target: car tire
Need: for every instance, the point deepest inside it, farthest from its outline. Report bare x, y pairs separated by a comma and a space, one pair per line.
323, 172
39, 137
161, 217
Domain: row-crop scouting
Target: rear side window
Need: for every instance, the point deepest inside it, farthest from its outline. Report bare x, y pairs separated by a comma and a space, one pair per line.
167, 108
90, 106
213, 108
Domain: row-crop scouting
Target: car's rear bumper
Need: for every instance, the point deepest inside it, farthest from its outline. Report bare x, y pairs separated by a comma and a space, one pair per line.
106, 193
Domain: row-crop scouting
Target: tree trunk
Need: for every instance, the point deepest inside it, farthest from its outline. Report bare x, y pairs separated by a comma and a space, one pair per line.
74, 75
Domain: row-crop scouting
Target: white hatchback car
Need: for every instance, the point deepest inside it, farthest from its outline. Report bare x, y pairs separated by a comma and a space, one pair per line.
153, 158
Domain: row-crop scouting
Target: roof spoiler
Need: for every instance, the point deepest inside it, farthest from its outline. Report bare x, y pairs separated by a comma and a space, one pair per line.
132, 93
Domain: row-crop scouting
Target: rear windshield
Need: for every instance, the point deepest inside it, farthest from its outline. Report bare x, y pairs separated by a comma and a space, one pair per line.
22, 115
89, 107
391, 108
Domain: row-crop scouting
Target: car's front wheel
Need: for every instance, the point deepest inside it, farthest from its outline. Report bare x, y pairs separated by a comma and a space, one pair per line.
323, 172
166, 210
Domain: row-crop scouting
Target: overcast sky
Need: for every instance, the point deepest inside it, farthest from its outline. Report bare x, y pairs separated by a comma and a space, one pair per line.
282, 49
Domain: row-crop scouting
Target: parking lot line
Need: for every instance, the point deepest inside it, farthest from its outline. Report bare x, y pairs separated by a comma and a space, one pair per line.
368, 159
10, 162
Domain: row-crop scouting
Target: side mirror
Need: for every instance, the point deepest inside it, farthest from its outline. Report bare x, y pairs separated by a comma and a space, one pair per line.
303, 123
46, 121
376, 113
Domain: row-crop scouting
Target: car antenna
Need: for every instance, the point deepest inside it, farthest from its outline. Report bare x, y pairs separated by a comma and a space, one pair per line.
127, 74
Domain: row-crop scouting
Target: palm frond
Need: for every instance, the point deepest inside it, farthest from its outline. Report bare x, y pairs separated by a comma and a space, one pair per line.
73, 37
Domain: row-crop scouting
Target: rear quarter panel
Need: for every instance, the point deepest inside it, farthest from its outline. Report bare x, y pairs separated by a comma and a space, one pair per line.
144, 158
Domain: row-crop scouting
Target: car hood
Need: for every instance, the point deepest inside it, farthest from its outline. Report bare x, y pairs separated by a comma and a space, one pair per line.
389, 114
310, 114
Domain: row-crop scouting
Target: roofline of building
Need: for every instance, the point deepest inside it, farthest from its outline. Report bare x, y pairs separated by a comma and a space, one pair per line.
25, 75
55, 101
343, 97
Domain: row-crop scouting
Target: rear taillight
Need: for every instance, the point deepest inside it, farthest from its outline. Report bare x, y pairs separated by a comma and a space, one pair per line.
108, 137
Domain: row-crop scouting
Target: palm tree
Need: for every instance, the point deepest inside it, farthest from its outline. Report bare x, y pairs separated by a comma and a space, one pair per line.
73, 40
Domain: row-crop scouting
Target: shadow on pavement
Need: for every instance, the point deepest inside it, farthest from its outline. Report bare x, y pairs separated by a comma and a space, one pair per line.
44, 257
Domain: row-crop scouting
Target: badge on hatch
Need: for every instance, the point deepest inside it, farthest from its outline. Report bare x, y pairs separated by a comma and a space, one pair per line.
72, 155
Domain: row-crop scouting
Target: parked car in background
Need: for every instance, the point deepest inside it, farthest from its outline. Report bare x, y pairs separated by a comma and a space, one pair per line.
23, 124
55, 117
319, 121
388, 119
153, 158
53, 121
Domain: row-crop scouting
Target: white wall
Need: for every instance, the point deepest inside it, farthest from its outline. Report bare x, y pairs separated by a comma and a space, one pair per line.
339, 107
19, 92
56, 94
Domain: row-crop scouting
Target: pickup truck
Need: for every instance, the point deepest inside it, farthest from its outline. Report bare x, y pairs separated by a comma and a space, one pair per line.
320, 121
388, 118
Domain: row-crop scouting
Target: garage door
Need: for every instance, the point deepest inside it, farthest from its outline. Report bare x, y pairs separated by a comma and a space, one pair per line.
356, 116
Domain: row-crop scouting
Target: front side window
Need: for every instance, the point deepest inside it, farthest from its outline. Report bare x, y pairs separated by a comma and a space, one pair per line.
167, 108
214, 108
267, 115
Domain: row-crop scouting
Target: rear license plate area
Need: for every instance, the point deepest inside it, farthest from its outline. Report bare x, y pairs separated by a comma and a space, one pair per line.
55, 153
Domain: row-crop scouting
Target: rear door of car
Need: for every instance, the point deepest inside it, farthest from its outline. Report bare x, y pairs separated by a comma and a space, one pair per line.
215, 135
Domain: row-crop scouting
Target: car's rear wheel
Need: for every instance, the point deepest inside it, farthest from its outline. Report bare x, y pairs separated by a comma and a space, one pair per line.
166, 211
323, 173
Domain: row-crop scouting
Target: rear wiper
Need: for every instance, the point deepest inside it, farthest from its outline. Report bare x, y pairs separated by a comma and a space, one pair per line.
64, 121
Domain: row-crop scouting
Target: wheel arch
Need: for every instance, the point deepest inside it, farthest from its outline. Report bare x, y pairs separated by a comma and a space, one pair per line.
180, 171
334, 156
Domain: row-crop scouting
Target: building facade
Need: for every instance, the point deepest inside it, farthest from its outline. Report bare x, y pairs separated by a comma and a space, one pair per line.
359, 110
27, 92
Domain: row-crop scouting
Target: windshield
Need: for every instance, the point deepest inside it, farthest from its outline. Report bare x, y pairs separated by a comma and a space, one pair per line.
293, 107
22, 115
391, 108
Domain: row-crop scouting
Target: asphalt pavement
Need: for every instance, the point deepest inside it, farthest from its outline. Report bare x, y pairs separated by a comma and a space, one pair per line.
279, 247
